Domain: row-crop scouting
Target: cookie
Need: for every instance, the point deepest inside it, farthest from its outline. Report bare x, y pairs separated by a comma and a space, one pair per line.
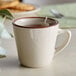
8, 4
24, 7
15, 10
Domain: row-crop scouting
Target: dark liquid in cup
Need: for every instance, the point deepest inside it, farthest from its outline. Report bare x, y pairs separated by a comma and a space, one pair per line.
36, 26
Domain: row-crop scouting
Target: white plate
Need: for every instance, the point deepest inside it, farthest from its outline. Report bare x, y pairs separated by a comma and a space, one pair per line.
37, 8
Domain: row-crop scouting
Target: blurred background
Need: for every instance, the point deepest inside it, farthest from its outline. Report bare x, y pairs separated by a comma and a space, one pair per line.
47, 2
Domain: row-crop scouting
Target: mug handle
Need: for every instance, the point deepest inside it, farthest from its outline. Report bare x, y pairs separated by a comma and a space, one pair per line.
66, 42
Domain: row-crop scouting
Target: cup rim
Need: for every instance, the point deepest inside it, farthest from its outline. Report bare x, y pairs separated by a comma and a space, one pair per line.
14, 24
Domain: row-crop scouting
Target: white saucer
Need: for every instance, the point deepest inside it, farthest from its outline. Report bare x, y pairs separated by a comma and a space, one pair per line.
27, 12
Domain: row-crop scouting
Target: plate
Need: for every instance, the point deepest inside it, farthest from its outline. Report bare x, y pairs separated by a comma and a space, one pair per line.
37, 8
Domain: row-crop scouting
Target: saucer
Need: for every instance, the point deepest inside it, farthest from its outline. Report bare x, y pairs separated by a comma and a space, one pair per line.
27, 13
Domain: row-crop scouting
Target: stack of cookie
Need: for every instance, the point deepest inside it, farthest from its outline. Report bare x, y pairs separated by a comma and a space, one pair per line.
16, 6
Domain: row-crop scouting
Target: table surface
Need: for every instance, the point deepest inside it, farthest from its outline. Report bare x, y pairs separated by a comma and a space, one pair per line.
64, 64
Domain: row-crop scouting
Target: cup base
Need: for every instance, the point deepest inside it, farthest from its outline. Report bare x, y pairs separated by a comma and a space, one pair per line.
41, 66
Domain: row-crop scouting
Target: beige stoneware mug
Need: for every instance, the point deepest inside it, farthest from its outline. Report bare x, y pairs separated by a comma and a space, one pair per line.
36, 41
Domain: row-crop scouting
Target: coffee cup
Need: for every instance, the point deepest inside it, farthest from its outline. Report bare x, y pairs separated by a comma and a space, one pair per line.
36, 41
